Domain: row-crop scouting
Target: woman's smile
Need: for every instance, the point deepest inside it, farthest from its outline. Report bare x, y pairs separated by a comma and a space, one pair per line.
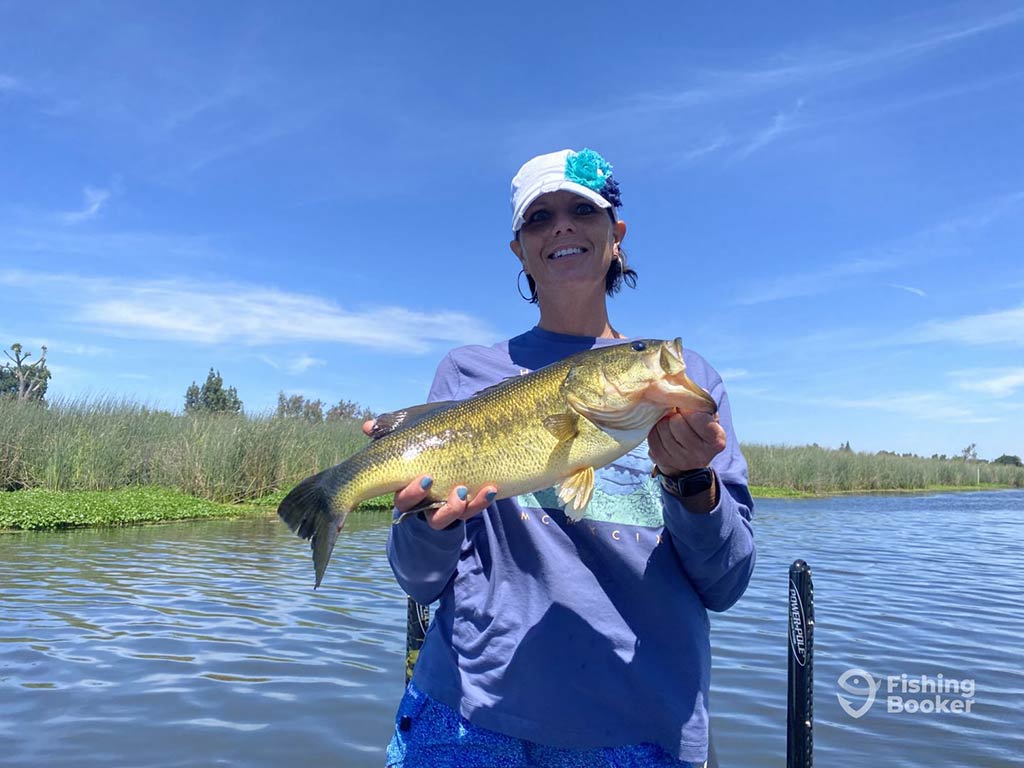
566, 241
566, 251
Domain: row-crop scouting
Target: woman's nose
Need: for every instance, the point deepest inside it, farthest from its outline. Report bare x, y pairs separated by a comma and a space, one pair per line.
563, 223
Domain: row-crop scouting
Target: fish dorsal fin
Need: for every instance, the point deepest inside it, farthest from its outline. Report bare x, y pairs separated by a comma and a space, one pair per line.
575, 492
495, 387
564, 426
387, 423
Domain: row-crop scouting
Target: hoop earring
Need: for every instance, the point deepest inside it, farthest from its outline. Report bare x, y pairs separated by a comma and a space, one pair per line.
519, 287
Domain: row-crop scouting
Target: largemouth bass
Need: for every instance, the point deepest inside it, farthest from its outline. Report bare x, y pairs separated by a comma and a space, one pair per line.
551, 427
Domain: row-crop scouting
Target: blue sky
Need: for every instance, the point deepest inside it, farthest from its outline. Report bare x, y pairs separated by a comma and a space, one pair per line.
826, 202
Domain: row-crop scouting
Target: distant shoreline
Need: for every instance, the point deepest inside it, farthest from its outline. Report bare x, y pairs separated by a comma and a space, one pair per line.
770, 492
120, 463
43, 510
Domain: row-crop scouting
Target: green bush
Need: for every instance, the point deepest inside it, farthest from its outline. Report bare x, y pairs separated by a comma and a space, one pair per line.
40, 509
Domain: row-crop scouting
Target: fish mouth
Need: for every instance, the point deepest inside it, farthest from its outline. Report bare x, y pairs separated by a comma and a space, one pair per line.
678, 389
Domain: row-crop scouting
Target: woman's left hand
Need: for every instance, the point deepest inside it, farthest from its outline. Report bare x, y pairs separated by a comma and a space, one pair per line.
680, 443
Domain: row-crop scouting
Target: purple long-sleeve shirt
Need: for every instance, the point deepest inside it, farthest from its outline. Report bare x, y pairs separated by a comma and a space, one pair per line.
579, 634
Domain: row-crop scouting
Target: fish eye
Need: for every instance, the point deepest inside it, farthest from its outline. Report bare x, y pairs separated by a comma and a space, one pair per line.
638, 346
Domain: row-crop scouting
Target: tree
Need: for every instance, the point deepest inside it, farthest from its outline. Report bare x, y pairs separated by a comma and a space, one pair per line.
349, 409
845, 447
1013, 461
298, 407
212, 397
970, 453
21, 379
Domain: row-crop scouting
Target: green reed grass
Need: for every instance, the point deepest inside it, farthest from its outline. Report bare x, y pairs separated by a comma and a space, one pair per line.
815, 470
93, 445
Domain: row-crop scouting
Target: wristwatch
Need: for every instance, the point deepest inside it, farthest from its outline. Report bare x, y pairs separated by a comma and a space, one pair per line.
691, 483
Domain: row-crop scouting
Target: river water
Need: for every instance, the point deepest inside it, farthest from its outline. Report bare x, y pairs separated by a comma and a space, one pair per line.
203, 643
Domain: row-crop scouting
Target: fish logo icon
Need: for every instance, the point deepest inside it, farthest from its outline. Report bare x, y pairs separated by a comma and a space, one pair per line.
850, 681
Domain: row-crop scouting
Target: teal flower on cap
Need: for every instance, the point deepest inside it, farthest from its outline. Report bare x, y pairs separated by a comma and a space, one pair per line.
584, 173
588, 168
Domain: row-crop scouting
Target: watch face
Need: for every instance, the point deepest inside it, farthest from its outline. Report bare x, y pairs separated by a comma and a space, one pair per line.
689, 484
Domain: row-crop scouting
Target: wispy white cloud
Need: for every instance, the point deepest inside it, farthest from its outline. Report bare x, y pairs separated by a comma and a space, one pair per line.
907, 288
732, 374
304, 362
998, 382
902, 42
782, 123
181, 310
874, 108
1000, 327
702, 149
61, 348
34, 240
814, 282
904, 45
859, 57
922, 246
982, 214
94, 200
927, 406
9, 83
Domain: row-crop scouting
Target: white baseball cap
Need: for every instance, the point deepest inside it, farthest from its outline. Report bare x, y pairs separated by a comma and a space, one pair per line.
584, 173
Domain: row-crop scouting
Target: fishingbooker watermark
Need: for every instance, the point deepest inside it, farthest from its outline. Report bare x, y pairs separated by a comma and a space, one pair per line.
905, 694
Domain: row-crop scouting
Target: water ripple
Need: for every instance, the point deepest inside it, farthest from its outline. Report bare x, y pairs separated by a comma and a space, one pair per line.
166, 645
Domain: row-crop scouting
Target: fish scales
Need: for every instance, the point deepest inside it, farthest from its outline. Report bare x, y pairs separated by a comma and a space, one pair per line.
473, 442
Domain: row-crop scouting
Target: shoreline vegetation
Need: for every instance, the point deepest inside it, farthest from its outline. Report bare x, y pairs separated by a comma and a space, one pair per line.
115, 462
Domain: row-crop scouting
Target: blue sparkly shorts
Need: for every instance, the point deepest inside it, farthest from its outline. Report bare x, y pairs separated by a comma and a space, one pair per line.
429, 734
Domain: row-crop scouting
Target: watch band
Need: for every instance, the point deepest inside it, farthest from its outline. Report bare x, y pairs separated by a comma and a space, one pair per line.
690, 483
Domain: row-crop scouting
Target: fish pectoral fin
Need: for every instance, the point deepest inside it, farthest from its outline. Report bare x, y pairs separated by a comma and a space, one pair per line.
575, 492
564, 426
426, 506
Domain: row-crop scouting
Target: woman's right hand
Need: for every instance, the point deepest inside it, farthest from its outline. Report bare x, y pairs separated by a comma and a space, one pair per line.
457, 507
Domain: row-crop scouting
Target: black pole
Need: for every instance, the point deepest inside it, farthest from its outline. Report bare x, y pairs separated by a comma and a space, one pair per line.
416, 620
800, 721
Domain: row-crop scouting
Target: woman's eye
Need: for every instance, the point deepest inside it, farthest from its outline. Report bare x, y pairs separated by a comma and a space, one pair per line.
584, 209
538, 216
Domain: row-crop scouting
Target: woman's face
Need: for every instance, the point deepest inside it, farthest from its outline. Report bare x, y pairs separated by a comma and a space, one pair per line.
566, 241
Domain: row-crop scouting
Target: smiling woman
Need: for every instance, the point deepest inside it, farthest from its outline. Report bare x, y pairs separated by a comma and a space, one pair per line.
559, 225
555, 636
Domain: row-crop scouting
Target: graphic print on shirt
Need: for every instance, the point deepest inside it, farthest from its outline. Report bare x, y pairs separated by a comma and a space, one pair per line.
624, 493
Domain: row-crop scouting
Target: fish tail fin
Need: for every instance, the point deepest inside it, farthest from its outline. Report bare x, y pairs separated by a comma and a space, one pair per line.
316, 509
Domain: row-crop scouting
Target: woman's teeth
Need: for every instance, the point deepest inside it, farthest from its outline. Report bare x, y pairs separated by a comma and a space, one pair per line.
565, 252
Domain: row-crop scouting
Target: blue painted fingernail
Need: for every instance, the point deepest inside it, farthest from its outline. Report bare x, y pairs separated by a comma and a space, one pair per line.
491, 495
462, 492
426, 482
